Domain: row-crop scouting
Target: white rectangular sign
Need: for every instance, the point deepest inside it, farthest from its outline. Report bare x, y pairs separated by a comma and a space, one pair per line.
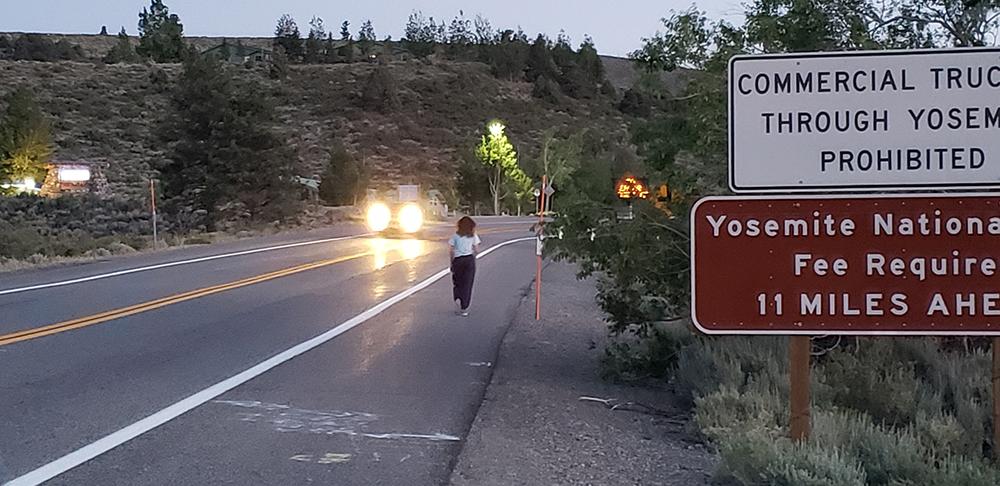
875, 121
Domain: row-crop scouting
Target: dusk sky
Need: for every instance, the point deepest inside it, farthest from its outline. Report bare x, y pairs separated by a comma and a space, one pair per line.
617, 27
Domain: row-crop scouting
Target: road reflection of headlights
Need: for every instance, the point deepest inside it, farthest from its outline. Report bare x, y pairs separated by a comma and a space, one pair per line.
411, 218
378, 216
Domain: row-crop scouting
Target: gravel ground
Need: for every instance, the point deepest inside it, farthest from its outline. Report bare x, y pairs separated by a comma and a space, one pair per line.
533, 428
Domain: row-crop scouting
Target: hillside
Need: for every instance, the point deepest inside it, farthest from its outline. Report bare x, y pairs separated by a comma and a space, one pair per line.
110, 113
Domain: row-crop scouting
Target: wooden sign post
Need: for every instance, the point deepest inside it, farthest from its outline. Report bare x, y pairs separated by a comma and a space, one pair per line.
996, 399
799, 347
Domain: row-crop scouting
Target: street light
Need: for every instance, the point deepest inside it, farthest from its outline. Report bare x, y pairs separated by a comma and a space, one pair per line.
496, 129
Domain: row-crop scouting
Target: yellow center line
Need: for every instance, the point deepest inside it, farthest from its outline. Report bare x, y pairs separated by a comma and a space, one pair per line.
165, 301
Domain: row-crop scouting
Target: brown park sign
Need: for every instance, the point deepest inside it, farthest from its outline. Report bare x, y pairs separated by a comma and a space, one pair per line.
918, 265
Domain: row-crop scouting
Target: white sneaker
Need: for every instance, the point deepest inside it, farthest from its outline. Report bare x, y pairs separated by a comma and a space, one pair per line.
464, 312
458, 306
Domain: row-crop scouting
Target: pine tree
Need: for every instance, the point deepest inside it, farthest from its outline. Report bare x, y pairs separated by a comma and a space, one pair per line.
418, 36
344, 179
161, 35
366, 39
367, 32
224, 157
315, 52
287, 35
540, 63
122, 51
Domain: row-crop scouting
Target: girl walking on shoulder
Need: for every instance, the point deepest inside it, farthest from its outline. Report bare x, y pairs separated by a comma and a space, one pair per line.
463, 246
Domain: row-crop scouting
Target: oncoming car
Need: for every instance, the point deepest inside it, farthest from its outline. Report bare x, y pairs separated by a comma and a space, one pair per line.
395, 212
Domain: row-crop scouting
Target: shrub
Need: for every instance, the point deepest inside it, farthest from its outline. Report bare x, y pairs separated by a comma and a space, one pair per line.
380, 91
655, 356
36, 47
887, 411
70, 226
874, 378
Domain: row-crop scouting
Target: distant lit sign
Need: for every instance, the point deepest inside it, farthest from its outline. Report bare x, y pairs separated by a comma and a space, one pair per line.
631, 188
74, 174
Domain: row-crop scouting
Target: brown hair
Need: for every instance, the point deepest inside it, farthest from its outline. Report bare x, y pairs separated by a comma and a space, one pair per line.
465, 226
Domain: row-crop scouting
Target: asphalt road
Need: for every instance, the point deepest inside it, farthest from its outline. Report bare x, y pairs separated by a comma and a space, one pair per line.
331, 357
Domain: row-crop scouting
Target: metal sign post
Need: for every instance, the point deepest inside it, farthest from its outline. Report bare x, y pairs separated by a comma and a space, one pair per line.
538, 250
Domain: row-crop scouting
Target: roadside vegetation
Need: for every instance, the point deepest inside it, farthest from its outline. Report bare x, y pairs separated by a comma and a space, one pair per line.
885, 411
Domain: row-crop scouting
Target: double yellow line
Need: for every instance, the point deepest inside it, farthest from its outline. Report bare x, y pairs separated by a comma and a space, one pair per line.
173, 299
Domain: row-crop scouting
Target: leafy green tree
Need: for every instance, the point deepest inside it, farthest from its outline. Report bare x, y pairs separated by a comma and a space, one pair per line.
344, 180
641, 264
561, 158
496, 152
161, 35
345, 34
25, 138
286, 35
809, 25
942, 23
122, 51
224, 159
473, 181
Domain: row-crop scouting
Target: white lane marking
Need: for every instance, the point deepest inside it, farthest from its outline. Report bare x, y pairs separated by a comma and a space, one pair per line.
435, 437
115, 439
328, 422
174, 264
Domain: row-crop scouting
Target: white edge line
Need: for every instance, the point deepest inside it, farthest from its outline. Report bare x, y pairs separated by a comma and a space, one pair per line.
115, 439
174, 264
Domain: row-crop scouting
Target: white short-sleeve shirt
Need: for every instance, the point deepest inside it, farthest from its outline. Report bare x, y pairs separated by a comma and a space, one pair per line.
464, 245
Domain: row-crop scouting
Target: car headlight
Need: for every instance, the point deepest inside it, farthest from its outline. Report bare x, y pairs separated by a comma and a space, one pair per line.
410, 218
378, 216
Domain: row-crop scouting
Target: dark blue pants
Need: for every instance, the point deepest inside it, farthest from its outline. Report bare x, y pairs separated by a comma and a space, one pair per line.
463, 272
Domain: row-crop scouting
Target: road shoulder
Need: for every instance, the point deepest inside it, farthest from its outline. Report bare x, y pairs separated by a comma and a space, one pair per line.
533, 427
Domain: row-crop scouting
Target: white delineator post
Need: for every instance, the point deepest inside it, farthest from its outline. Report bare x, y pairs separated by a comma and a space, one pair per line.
152, 198
538, 251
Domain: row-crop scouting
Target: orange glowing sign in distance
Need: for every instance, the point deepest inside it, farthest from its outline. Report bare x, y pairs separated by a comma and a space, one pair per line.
630, 188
